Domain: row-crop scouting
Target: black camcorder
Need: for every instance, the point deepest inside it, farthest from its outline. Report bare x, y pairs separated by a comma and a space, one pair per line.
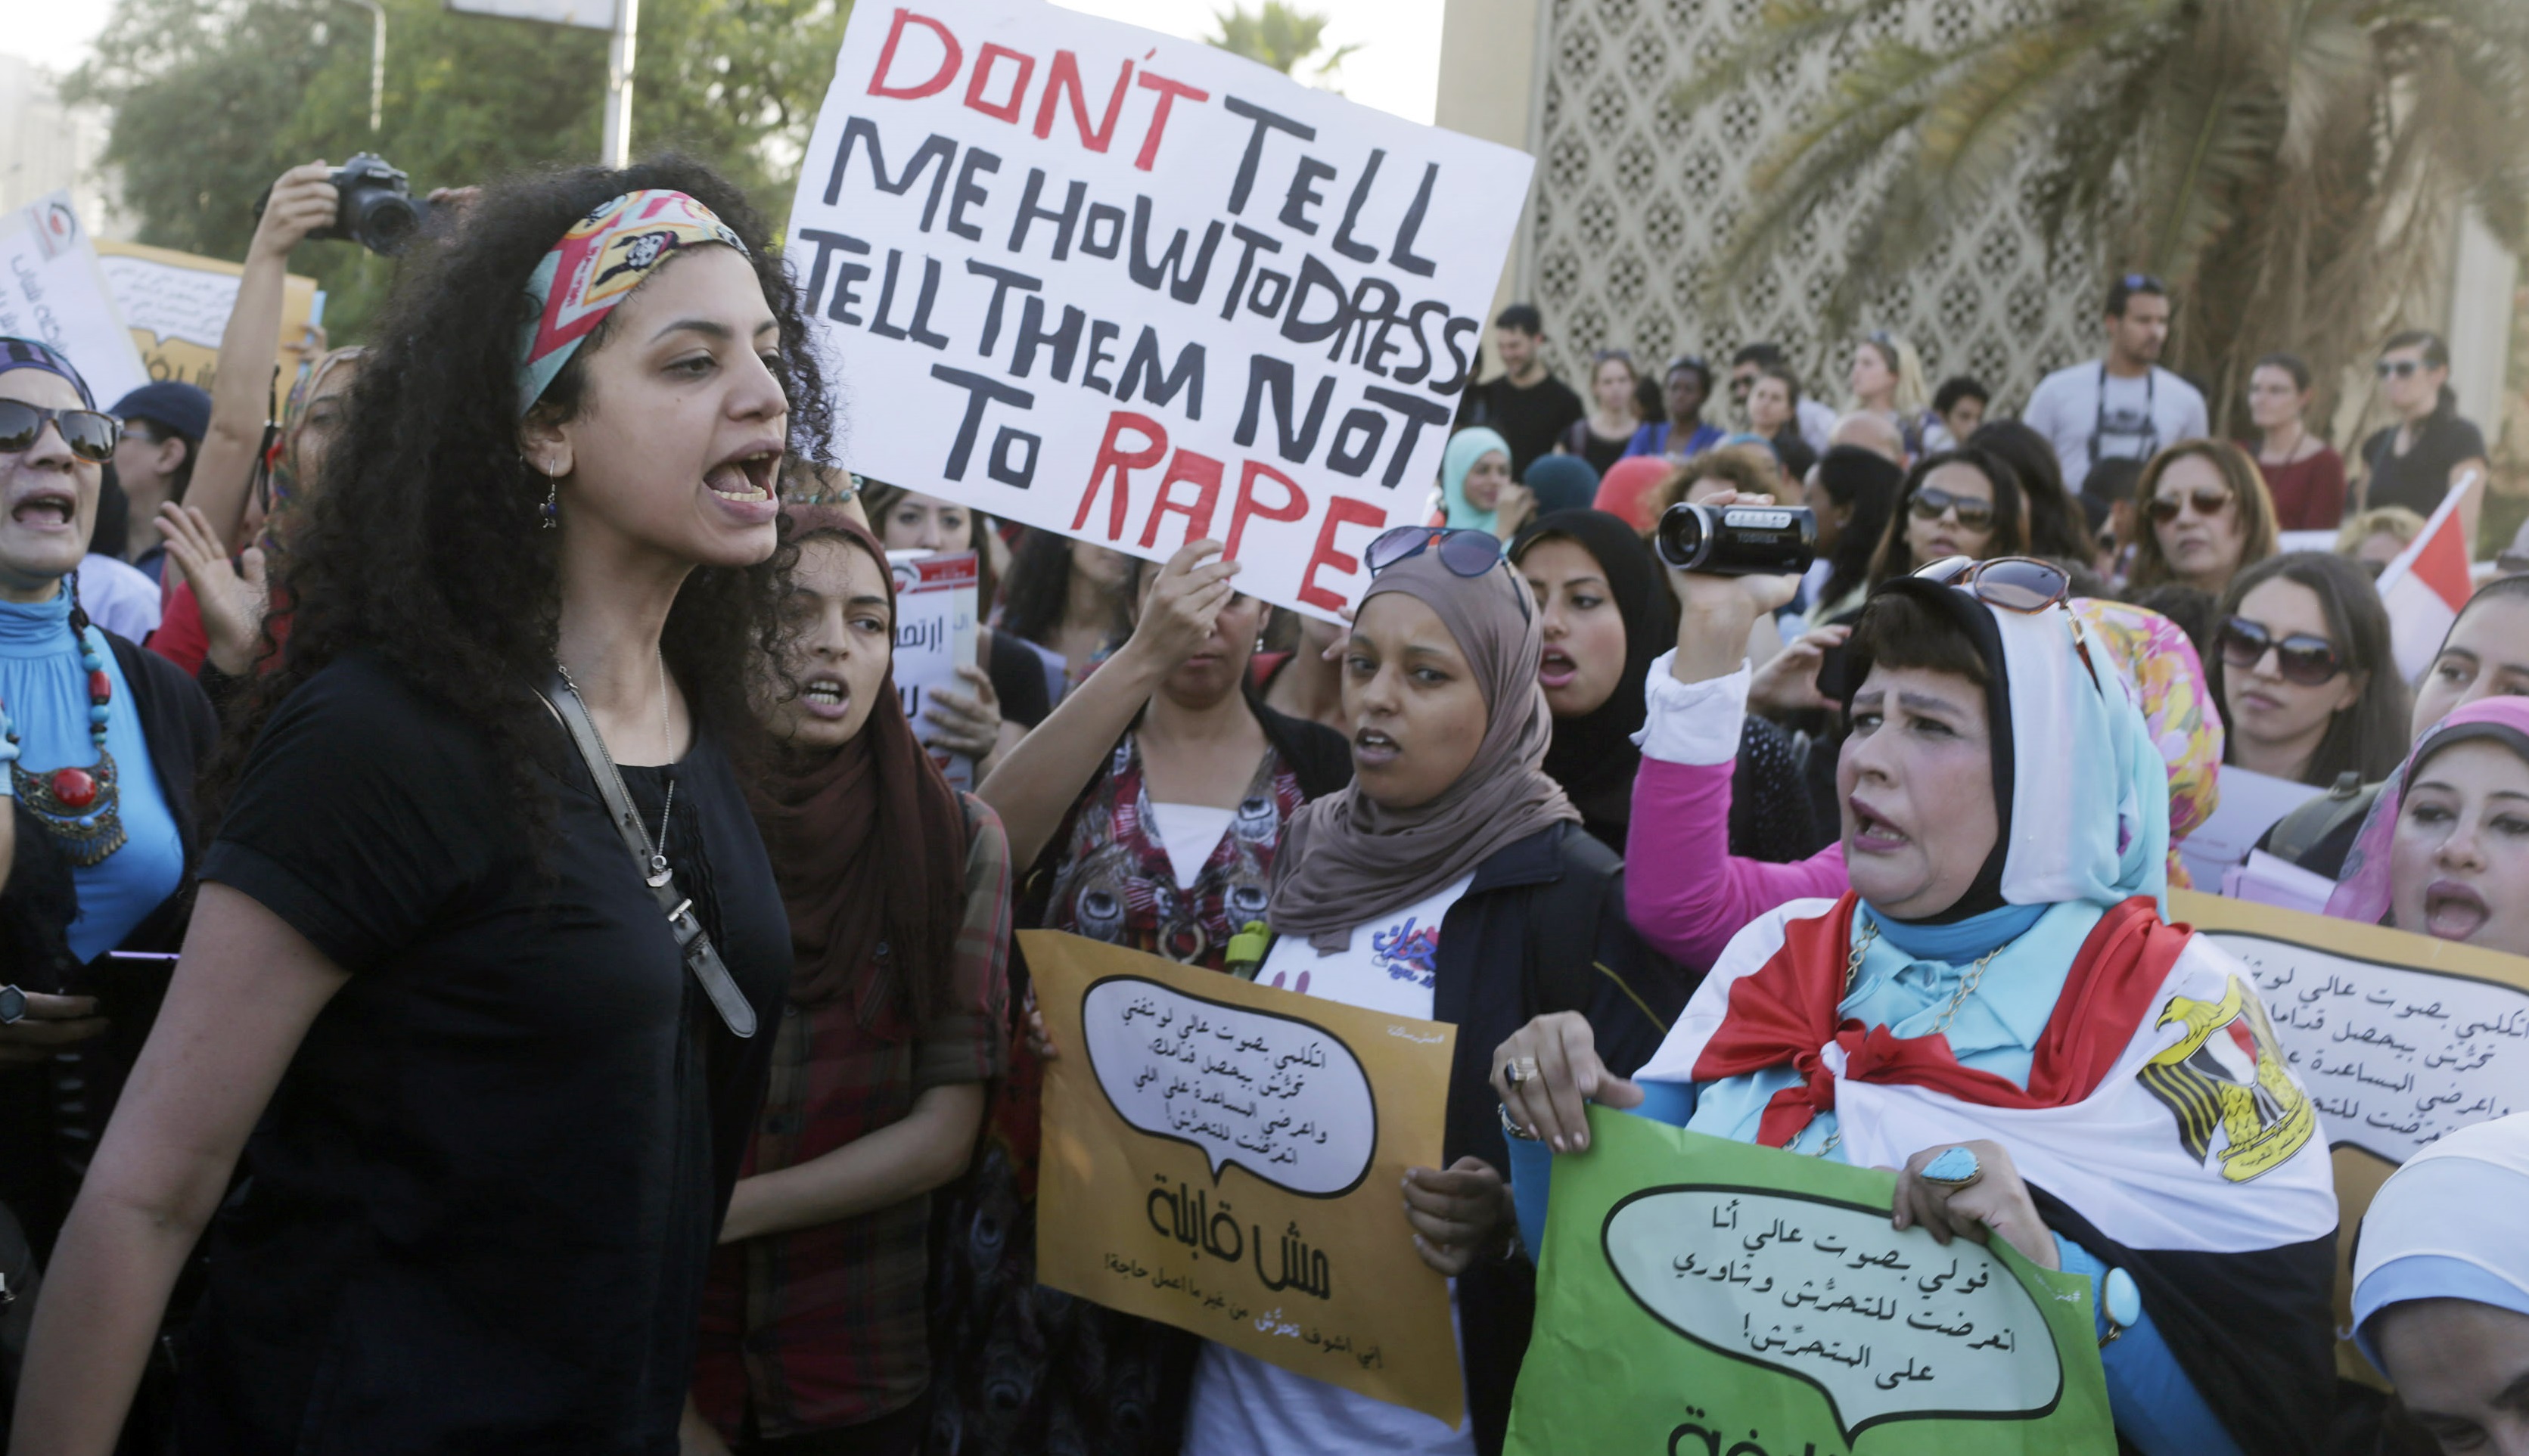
378, 209
1737, 540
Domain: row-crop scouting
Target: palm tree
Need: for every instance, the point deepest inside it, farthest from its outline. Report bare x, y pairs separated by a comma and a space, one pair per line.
1279, 36
2290, 166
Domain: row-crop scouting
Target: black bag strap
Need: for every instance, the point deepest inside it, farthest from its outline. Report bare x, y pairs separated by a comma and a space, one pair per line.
700, 956
2299, 832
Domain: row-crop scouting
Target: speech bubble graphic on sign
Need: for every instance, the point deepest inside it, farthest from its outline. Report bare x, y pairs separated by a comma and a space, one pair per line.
1889, 1326
1278, 1096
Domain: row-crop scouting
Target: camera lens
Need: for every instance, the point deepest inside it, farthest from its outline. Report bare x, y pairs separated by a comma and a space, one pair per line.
1682, 530
387, 221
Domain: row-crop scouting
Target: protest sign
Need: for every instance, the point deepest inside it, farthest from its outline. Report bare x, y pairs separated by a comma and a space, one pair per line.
2399, 1039
2249, 804
51, 290
1224, 1156
934, 632
1137, 290
177, 303
1697, 1296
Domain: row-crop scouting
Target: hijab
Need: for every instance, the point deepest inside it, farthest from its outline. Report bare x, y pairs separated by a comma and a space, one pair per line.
2447, 1226
868, 846
25, 354
2095, 837
2364, 893
1346, 857
2168, 682
1465, 448
1631, 485
1561, 482
1593, 756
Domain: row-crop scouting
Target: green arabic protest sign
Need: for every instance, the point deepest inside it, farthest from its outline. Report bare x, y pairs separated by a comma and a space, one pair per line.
1700, 1297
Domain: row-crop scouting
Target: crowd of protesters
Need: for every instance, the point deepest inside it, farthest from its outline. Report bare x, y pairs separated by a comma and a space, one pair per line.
354, 1096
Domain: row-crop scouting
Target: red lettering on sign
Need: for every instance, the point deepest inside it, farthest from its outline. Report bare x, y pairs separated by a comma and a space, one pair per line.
1340, 511
1295, 501
939, 83
1065, 75
1123, 463
1008, 111
1205, 472
1169, 91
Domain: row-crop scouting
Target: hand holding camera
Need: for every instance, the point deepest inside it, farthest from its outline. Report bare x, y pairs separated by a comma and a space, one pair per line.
1732, 559
302, 202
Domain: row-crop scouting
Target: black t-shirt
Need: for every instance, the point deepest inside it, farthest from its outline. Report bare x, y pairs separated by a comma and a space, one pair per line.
2419, 478
1530, 418
480, 1204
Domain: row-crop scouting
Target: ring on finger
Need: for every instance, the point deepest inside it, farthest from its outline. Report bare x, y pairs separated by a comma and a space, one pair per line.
13, 1005
1955, 1169
1518, 1069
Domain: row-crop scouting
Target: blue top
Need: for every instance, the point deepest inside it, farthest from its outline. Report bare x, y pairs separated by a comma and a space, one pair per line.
1907, 980
1653, 439
45, 685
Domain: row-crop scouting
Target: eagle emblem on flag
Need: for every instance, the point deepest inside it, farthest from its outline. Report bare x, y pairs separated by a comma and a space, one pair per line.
2224, 1074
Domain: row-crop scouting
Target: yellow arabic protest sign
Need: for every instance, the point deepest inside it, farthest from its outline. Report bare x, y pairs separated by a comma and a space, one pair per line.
1226, 1157
2398, 1038
177, 303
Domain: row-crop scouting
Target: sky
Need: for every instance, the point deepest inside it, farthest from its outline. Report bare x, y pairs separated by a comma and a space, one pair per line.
1396, 70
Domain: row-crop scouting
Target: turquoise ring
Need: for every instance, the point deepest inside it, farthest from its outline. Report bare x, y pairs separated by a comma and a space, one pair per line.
1954, 1170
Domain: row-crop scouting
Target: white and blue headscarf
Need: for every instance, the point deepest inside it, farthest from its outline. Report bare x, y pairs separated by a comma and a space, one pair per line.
2447, 1226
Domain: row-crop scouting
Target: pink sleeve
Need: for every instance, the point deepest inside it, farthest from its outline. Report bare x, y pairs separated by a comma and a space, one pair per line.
1684, 891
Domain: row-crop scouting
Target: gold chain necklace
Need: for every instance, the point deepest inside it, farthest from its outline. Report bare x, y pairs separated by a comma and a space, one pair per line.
1967, 984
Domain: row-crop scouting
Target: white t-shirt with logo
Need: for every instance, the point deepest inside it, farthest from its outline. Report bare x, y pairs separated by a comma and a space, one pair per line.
1242, 1406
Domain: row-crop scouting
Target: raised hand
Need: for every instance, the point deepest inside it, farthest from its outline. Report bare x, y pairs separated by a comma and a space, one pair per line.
232, 604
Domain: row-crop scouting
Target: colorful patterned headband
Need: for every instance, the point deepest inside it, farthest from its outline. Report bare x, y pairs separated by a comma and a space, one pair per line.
597, 265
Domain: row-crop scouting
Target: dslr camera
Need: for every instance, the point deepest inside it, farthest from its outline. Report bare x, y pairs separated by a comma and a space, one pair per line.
378, 210
1737, 540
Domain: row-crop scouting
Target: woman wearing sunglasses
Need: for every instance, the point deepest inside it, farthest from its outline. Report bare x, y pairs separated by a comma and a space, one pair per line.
1977, 1011
2414, 461
2208, 516
2302, 669
1452, 882
1147, 811
102, 742
1957, 503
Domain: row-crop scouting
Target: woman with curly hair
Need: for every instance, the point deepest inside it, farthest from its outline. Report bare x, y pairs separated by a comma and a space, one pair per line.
496, 1107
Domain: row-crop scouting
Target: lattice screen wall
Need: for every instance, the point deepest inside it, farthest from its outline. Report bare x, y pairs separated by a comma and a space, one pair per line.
1635, 201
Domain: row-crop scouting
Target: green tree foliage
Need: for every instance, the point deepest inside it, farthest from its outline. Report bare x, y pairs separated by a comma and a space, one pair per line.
1279, 36
2291, 167
212, 99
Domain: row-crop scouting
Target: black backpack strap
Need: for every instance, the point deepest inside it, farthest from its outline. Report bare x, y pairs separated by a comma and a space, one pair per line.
2303, 829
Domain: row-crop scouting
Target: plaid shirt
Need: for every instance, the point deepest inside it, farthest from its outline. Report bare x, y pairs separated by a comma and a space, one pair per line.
825, 1327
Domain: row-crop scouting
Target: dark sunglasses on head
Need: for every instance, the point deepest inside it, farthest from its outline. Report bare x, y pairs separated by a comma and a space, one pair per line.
1463, 549
91, 434
2164, 509
2400, 368
1931, 501
2303, 657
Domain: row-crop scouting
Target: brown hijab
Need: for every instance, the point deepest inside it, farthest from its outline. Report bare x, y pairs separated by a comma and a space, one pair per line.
1345, 858
867, 844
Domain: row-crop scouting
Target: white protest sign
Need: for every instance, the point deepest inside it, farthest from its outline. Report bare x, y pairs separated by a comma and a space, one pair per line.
51, 290
934, 632
1886, 1325
2250, 802
1275, 1096
1136, 290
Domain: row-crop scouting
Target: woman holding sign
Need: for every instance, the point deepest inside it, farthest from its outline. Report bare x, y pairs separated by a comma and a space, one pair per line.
898, 894
1451, 882
1997, 1008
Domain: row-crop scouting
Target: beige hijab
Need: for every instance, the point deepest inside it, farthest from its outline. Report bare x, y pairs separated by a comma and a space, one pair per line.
1345, 858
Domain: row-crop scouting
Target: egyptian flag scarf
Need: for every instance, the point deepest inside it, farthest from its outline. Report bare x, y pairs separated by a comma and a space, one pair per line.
2160, 1128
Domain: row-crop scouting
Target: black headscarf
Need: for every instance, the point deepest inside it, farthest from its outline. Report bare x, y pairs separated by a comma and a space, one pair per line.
1593, 756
